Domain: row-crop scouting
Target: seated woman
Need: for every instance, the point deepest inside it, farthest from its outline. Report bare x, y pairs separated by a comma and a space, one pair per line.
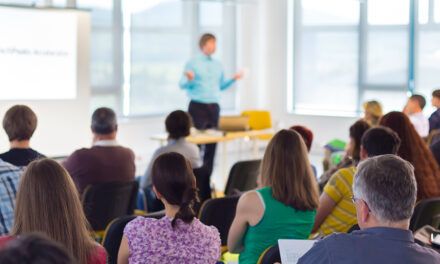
179, 237
284, 208
372, 112
416, 151
48, 203
178, 125
352, 156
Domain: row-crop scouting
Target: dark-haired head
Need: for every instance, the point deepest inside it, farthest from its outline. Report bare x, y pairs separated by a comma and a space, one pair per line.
306, 134
35, 249
104, 121
19, 123
178, 124
357, 130
175, 184
380, 141
419, 100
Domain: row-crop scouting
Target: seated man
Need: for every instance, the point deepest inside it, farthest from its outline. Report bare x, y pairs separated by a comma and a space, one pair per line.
19, 124
106, 161
385, 195
178, 125
434, 119
9, 178
414, 110
336, 211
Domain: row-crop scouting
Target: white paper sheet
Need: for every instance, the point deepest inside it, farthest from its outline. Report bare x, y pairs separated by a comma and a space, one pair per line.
292, 250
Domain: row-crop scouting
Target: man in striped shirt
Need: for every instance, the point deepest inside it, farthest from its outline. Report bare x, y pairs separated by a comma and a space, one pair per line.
336, 212
9, 178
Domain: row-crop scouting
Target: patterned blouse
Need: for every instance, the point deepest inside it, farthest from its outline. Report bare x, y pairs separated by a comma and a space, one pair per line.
155, 241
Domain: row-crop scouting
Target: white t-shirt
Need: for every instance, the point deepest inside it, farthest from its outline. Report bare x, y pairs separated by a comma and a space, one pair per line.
421, 123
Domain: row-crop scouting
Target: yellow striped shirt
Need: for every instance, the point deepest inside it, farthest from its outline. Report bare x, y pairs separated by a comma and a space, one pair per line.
339, 189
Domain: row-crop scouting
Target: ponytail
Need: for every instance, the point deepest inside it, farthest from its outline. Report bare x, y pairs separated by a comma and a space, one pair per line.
186, 212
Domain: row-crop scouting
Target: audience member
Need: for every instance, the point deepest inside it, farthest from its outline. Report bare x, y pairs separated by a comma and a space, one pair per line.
435, 150
307, 136
178, 125
179, 237
336, 211
284, 208
106, 161
352, 157
414, 150
434, 119
9, 178
384, 195
48, 202
414, 110
19, 124
372, 112
35, 249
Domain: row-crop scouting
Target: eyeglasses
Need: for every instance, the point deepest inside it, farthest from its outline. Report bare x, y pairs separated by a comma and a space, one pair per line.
354, 200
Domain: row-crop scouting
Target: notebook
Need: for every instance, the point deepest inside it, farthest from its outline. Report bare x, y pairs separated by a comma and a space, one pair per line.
291, 250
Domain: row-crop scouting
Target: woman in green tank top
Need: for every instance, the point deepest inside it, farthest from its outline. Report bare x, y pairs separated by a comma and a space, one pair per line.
285, 206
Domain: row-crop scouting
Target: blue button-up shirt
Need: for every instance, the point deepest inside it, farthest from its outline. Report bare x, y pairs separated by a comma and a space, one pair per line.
371, 245
208, 82
9, 176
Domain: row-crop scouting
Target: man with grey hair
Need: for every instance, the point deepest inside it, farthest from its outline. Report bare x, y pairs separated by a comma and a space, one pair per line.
384, 194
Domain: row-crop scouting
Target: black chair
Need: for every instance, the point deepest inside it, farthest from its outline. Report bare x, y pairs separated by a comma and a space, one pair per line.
353, 228
427, 212
114, 231
219, 212
270, 256
242, 177
104, 202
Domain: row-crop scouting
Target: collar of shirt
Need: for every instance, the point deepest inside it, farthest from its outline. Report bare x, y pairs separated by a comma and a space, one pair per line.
389, 233
173, 141
106, 143
205, 57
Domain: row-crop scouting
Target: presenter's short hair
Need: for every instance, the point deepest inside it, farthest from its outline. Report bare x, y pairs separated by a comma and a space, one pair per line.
20, 122
419, 99
104, 121
178, 124
205, 38
436, 93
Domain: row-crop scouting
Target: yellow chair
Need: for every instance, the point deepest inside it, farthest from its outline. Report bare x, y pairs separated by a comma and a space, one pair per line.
259, 120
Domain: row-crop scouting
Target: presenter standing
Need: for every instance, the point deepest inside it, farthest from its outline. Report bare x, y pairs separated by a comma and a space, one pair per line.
204, 80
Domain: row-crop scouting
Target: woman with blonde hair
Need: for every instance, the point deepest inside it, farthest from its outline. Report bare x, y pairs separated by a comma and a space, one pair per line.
48, 203
372, 112
284, 208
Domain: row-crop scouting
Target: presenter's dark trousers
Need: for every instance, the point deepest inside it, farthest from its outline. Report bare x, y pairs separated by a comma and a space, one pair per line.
205, 116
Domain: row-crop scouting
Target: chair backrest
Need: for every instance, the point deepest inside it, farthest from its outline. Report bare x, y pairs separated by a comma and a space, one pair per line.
270, 255
219, 212
243, 176
427, 212
114, 231
258, 119
104, 202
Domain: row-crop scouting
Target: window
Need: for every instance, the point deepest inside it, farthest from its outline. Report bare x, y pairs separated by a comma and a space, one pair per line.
139, 49
352, 51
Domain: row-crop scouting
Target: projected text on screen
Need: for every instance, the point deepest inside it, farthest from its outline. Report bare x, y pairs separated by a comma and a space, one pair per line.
37, 54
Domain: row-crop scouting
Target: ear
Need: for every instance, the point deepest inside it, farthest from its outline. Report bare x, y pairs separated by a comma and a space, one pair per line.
158, 195
364, 212
363, 153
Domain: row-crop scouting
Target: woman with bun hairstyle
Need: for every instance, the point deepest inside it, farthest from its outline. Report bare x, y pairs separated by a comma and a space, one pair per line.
179, 237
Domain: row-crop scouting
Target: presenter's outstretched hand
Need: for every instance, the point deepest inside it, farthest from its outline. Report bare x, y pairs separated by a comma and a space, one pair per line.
189, 75
239, 75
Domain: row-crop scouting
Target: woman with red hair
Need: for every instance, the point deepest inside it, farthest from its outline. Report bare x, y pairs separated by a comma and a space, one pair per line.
414, 150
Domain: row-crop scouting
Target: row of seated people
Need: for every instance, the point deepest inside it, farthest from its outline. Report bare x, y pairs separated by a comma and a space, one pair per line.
297, 202
385, 191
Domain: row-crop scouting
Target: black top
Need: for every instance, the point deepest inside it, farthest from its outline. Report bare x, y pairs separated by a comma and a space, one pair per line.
20, 157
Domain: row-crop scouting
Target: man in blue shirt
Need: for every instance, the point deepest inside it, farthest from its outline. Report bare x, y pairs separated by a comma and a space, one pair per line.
384, 191
434, 119
204, 80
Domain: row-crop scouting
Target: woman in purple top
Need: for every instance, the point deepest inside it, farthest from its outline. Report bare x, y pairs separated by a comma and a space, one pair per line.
178, 237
